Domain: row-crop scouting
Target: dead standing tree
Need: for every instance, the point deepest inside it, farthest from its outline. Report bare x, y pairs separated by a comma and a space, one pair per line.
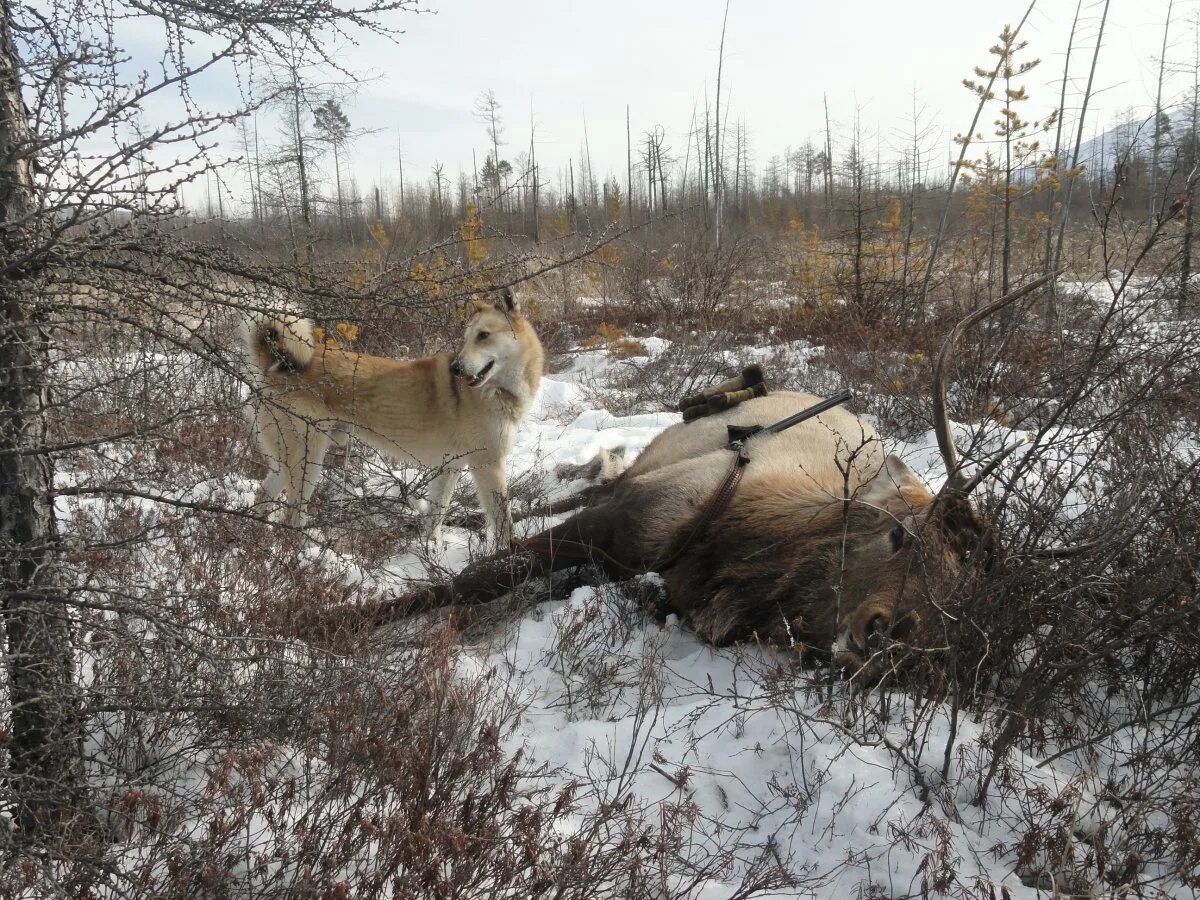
74, 199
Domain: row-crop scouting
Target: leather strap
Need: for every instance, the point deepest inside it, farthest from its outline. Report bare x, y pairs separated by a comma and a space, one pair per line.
716, 505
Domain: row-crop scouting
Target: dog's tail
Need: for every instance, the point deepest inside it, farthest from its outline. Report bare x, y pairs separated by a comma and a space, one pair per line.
282, 343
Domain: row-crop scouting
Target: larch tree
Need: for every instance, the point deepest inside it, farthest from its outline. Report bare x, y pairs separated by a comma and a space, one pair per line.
487, 110
1015, 134
91, 168
333, 125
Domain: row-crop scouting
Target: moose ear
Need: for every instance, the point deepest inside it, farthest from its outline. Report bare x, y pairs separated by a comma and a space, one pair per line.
508, 301
894, 481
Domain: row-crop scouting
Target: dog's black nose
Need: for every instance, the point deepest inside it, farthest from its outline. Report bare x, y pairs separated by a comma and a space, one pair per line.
456, 369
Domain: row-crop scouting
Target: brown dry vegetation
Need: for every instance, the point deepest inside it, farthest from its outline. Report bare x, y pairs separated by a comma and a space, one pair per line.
230, 722
198, 625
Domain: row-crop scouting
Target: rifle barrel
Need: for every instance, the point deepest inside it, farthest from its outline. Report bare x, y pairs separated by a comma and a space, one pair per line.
815, 410
739, 433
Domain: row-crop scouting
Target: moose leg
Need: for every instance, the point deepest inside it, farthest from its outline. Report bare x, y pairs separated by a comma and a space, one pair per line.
588, 536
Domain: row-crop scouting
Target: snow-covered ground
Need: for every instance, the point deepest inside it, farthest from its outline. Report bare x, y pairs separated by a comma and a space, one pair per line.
748, 756
763, 762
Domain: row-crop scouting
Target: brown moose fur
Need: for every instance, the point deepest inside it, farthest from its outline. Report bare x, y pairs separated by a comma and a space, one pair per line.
801, 568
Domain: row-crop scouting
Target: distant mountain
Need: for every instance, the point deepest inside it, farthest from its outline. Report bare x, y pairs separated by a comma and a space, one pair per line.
1105, 148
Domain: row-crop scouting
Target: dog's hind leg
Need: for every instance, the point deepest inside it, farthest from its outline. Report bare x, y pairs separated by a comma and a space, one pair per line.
492, 488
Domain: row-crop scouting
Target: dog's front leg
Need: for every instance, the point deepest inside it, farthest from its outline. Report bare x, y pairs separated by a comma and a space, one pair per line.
301, 471
492, 487
441, 490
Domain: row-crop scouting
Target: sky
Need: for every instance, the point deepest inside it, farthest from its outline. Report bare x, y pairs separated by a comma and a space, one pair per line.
564, 63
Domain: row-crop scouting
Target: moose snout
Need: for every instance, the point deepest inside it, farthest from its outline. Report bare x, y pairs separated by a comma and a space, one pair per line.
872, 628
865, 633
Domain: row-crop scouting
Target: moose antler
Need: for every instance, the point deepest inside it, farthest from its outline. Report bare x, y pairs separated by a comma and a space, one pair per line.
1068, 551
955, 481
941, 421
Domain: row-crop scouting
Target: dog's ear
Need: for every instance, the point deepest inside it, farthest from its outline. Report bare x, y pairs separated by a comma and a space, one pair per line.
508, 301
477, 306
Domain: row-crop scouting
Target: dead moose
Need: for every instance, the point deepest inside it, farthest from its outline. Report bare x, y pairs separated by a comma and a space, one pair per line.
811, 538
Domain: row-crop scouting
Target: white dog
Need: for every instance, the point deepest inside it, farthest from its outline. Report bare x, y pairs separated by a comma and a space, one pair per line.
448, 412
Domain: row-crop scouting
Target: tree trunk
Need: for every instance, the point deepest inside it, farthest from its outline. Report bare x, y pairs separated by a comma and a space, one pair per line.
45, 761
302, 169
1158, 111
706, 167
1185, 256
828, 169
400, 163
1006, 256
718, 180
649, 179
628, 166
337, 174
662, 176
1087, 96
1051, 315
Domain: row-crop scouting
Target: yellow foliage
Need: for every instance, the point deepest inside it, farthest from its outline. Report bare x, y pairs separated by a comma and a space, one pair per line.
347, 334
810, 266
429, 278
604, 333
379, 232
469, 229
614, 204
894, 222
615, 341
771, 210
608, 254
559, 226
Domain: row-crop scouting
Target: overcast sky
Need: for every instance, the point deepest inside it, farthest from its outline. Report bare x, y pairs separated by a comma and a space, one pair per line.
567, 59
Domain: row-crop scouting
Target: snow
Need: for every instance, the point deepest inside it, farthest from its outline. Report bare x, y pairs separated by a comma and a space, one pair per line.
766, 760
647, 714
763, 758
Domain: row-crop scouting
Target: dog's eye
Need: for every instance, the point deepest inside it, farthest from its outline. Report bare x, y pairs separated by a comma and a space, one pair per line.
483, 335
897, 537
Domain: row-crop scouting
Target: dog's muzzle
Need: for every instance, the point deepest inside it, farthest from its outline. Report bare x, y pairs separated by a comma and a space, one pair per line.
457, 370
482, 375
